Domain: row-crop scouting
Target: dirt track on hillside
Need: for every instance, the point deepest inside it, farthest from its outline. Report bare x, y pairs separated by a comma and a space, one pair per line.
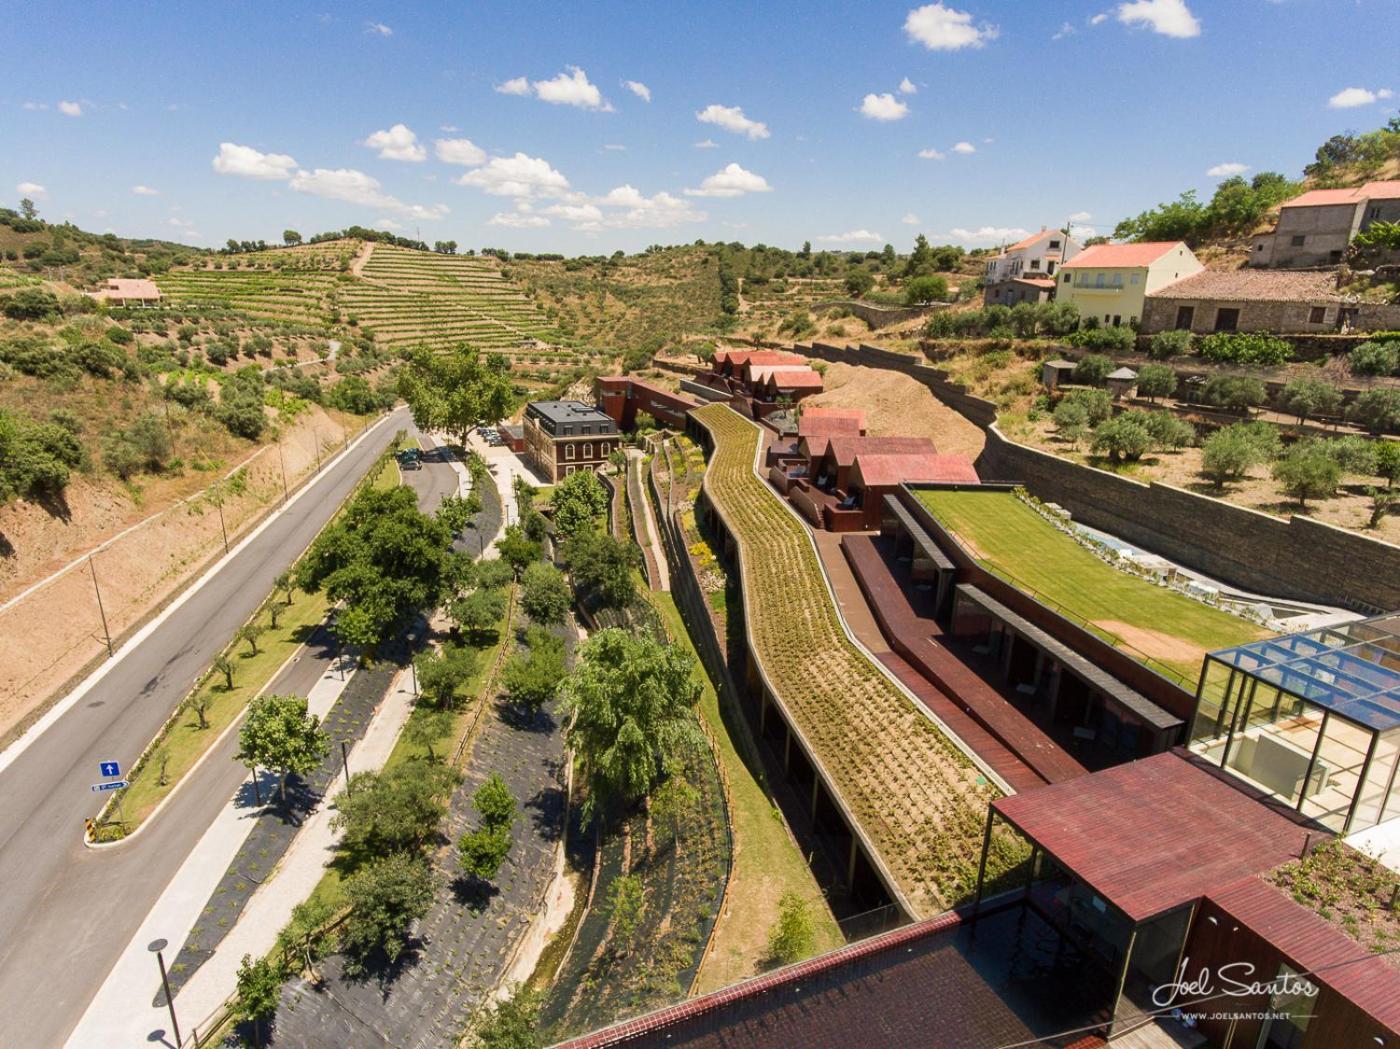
897, 405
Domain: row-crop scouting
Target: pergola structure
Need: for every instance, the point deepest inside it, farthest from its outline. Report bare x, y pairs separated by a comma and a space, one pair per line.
1312, 719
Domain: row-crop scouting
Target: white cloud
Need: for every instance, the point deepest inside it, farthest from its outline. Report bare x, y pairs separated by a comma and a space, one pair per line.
31, 189
397, 143
571, 88
1098, 19
459, 151
355, 187
964, 148
941, 28
1357, 96
631, 209
932, 154
989, 234
35, 106
910, 219
145, 191
517, 220
1168, 17
576, 212
883, 107
71, 109
638, 88
731, 181
448, 129
708, 143
1227, 169
855, 236
378, 29
390, 225
247, 162
517, 176
1066, 29
906, 87
179, 223
614, 147
731, 118
1080, 216
515, 86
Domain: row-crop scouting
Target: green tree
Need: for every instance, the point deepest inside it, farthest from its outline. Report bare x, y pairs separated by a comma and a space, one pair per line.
1233, 392
478, 612
441, 675
532, 678
279, 734
1072, 421
1376, 411
1383, 501
925, 289
306, 933
1307, 472
1169, 344
920, 260
290, 237
1097, 404
1169, 434
28, 210
386, 897
603, 566
1123, 438
225, 666
1307, 398
544, 594
1230, 453
249, 633
859, 284
673, 799
1374, 358
517, 549
1092, 369
1387, 461
456, 512
792, 937
393, 811
577, 500
512, 1023
456, 391
626, 898
1156, 380
630, 698
426, 727
483, 850
259, 990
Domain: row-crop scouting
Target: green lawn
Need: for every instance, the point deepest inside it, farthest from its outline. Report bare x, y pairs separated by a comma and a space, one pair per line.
1005, 534
767, 862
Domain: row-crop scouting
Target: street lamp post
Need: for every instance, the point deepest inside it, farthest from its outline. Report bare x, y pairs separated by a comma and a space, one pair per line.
345, 762
413, 666
155, 947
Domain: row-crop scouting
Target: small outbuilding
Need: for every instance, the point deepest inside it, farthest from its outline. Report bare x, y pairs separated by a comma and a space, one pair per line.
1121, 383
1052, 373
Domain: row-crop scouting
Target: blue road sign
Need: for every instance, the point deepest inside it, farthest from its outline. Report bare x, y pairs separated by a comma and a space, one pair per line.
109, 768
115, 784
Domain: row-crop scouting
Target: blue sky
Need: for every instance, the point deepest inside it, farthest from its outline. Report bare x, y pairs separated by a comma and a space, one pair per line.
576, 127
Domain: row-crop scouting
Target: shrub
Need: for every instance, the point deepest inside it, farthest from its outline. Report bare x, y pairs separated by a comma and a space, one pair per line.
791, 938
1169, 344
1374, 358
1306, 398
1169, 433
1229, 453
859, 283
1111, 340
143, 447
1072, 421
1124, 438
1058, 318
921, 290
1377, 411
1097, 404
1156, 380
35, 458
1093, 369
30, 304
1307, 472
1231, 347
1234, 392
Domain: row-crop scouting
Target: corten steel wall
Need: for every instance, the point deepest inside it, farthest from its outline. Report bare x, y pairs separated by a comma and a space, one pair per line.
1297, 558
623, 398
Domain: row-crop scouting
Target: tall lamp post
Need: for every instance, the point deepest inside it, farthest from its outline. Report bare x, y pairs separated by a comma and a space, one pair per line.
155, 947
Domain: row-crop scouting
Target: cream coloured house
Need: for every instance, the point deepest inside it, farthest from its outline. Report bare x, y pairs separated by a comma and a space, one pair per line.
1110, 281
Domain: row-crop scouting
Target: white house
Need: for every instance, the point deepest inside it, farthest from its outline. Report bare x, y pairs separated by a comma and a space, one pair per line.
1110, 281
1022, 272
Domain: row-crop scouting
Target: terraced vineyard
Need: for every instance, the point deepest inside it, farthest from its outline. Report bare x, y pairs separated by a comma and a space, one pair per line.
919, 800
302, 296
412, 298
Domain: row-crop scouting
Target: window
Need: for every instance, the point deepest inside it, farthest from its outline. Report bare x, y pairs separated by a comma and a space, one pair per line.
1117, 319
1227, 319
587, 430
1335, 255
1184, 316
1297, 240
568, 451
1069, 278
568, 470
588, 450
1317, 315
603, 449
1133, 279
1054, 245
1049, 267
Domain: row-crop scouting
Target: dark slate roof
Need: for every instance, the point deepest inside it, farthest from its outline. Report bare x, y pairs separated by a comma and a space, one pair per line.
569, 411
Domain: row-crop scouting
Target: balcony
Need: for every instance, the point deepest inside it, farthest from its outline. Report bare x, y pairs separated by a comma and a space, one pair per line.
1080, 289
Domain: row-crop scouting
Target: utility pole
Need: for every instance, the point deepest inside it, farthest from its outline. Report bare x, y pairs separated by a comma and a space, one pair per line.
101, 611
281, 459
219, 504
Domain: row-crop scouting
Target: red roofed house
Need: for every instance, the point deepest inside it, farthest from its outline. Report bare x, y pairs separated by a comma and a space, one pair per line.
1024, 271
1315, 228
1110, 282
828, 421
121, 291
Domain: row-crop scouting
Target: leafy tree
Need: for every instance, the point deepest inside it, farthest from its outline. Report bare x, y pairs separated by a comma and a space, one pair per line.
517, 549
30, 304
1307, 398
792, 937
859, 284
1374, 358
1352, 454
456, 512
383, 558
1099, 339
393, 811
1383, 501
1097, 404
278, 733
631, 699
426, 727
626, 897
512, 1023
1025, 318
1124, 437
305, 934
577, 500
28, 210
1230, 453
1307, 472
478, 612
603, 566
545, 593
259, 990
1156, 380
925, 289
1168, 432
483, 850
442, 675
673, 799
920, 260
456, 391
1072, 421
1092, 369
1377, 411
199, 703
1234, 392
249, 633
1387, 462
1057, 318
290, 237
225, 666
532, 678
386, 897
1177, 220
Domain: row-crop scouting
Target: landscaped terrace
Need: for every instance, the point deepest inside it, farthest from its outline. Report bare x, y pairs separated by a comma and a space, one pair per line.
918, 799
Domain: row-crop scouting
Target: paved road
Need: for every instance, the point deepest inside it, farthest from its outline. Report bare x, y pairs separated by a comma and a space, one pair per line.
66, 911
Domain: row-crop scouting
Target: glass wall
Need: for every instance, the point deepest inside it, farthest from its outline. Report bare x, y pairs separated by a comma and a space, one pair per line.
1379, 799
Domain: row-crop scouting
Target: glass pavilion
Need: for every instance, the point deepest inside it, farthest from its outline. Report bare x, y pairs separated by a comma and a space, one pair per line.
1312, 719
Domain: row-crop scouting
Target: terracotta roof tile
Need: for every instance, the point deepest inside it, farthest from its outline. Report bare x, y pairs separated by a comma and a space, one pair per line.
1110, 256
881, 469
1253, 285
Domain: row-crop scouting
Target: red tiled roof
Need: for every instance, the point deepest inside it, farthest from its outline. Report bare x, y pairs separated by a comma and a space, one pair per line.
1029, 241
1319, 198
129, 288
1315, 946
794, 379
1109, 256
880, 469
829, 421
1253, 286
846, 447
1154, 834
1039, 282
1385, 190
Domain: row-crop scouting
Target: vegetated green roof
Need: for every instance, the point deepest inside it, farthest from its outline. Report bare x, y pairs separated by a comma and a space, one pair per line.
918, 799
1349, 889
1155, 624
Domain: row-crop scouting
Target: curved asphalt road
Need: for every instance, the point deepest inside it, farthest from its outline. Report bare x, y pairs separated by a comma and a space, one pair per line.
66, 912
